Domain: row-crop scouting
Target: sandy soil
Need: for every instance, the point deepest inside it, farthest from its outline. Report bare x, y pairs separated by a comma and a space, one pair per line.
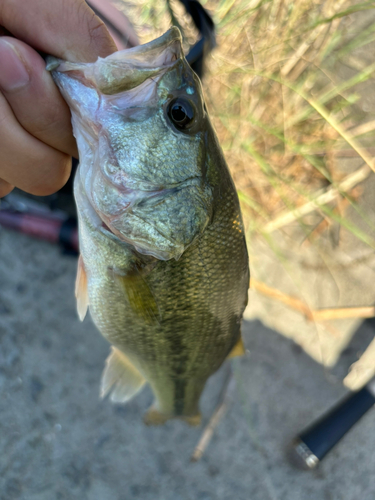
59, 441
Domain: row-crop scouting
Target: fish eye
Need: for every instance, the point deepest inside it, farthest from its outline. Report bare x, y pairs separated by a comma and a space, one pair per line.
181, 113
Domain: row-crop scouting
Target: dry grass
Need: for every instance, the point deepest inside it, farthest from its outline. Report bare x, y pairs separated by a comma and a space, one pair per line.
282, 90
312, 314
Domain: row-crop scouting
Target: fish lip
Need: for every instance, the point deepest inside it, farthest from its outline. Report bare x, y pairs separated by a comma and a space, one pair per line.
170, 39
173, 35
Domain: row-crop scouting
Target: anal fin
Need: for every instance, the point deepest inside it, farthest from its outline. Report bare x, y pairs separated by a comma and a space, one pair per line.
238, 349
120, 378
81, 290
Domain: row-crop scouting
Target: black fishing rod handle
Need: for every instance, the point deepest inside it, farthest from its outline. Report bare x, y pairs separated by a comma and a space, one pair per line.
317, 440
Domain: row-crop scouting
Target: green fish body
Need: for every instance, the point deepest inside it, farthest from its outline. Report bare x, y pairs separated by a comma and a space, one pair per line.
163, 265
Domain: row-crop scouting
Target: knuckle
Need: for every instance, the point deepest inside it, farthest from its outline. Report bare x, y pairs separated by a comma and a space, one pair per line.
92, 35
52, 124
99, 36
96, 27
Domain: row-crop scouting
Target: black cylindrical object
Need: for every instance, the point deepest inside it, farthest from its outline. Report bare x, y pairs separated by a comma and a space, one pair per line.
319, 438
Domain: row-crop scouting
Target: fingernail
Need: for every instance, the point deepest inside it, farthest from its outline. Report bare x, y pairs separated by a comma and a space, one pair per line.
13, 73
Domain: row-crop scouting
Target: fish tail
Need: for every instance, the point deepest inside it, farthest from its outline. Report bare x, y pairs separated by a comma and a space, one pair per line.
176, 398
156, 417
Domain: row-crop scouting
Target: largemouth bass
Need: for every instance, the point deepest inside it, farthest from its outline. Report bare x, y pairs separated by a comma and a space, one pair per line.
163, 265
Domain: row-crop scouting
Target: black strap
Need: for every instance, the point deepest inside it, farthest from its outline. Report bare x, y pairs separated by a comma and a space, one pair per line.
204, 23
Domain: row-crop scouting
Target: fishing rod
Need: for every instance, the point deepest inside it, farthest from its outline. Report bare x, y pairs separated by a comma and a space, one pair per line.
313, 444
35, 219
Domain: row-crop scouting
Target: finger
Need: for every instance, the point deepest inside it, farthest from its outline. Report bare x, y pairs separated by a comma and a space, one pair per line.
33, 96
119, 26
25, 161
69, 29
5, 188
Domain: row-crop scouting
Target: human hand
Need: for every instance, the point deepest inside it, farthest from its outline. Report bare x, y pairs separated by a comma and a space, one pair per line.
36, 141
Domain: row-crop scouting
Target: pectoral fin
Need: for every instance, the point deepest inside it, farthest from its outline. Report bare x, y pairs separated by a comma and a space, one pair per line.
238, 349
140, 296
81, 290
120, 378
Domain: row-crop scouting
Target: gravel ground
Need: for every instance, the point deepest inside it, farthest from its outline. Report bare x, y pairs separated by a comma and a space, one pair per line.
59, 441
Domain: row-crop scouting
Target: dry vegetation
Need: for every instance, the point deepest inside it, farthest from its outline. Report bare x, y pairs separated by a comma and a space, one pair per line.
282, 89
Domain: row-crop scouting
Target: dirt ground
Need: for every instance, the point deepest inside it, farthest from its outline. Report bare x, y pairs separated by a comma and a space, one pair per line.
59, 441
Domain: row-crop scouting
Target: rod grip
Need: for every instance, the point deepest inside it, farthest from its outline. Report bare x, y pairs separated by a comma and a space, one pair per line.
317, 440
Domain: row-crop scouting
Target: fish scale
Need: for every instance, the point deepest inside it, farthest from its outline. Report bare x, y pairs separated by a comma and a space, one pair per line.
164, 265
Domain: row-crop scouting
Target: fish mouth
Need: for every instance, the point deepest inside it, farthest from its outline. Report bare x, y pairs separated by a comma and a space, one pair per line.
159, 52
125, 69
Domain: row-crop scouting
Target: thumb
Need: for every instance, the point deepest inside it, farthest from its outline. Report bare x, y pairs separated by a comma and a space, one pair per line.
69, 30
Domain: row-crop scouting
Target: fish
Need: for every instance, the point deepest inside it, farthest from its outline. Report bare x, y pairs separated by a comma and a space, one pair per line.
163, 266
